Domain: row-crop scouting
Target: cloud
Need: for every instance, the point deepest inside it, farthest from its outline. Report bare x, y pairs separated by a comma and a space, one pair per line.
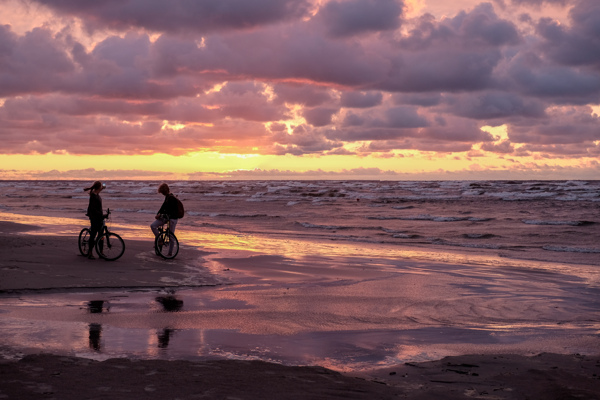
345, 77
175, 16
577, 44
33, 62
355, 17
258, 173
494, 105
565, 125
540, 2
87, 174
319, 116
303, 94
356, 99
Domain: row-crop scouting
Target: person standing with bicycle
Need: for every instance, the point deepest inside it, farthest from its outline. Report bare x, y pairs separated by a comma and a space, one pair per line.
95, 214
170, 207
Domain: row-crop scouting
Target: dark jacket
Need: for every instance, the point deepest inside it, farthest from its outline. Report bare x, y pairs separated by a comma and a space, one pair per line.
94, 210
170, 207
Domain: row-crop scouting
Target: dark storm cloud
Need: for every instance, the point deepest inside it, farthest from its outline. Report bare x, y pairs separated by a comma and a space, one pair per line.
451, 55
479, 27
180, 15
306, 95
567, 125
319, 116
404, 117
285, 53
304, 140
33, 62
577, 44
560, 84
541, 2
418, 99
68, 105
494, 105
361, 99
355, 17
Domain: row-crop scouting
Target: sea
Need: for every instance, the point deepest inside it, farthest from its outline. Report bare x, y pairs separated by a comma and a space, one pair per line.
536, 220
351, 275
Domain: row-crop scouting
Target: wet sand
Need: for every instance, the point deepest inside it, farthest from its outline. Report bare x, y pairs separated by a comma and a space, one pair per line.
33, 263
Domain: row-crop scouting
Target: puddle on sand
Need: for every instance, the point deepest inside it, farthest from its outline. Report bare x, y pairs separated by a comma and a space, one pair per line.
165, 325
200, 324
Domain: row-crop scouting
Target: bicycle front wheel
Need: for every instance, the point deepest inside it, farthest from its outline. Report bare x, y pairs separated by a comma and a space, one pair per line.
84, 241
110, 246
166, 245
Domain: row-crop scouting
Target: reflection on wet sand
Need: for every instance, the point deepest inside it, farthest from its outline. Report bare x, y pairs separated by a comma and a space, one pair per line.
95, 329
164, 336
170, 304
94, 337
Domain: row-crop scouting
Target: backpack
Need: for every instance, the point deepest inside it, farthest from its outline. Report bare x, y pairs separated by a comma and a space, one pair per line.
180, 209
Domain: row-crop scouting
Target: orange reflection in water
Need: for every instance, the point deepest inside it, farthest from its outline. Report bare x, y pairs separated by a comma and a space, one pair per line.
294, 247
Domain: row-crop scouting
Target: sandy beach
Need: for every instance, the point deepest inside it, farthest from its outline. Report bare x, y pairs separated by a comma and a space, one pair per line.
50, 264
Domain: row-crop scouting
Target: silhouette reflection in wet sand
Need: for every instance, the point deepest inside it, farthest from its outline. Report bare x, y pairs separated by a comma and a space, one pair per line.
169, 304
94, 337
95, 330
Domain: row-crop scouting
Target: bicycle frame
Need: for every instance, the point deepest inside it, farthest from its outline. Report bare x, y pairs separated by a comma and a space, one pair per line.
166, 244
105, 243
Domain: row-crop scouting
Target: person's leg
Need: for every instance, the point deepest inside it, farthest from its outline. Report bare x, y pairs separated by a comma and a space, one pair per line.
154, 226
172, 226
173, 223
96, 226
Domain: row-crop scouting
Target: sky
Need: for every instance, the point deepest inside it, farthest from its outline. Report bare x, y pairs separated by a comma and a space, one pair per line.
299, 89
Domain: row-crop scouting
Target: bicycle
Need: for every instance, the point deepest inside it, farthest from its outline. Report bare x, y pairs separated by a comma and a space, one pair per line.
109, 245
166, 244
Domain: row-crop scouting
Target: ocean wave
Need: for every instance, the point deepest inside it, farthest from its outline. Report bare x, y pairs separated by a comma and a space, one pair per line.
406, 236
479, 235
543, 222
227, 215
427, 217
569, 249
520, 196
467, 245
328, 227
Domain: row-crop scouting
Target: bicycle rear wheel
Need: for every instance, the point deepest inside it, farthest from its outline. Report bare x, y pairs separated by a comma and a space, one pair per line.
110, 246
166, 245
84, 242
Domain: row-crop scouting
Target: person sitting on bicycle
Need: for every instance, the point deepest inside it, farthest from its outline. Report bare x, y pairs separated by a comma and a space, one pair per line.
94, 213
168, 208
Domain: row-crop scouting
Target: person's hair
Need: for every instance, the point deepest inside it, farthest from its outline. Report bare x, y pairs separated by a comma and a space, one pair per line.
164, 189
97, 185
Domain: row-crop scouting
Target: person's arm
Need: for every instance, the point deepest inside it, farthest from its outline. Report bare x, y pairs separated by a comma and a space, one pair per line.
163, 208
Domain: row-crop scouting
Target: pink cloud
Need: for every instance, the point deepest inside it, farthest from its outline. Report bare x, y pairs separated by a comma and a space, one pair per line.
356, 70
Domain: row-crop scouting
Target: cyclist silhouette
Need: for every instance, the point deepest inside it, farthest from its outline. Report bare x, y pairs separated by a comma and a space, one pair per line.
169, 208
94, 213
